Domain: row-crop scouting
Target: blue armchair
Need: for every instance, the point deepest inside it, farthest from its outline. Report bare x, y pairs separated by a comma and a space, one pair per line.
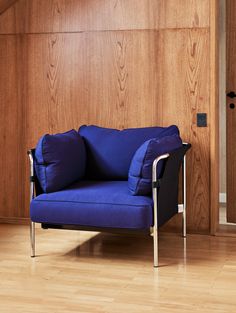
105, 179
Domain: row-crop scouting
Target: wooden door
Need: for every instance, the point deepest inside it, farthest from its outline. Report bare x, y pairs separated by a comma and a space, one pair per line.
231, 108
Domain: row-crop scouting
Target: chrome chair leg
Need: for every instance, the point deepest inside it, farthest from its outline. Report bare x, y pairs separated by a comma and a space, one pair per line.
184, 198
32, 238
154, 195
155, 246
184, 224
32, 190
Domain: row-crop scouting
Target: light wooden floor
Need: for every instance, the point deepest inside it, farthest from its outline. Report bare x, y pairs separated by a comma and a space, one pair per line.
89, 272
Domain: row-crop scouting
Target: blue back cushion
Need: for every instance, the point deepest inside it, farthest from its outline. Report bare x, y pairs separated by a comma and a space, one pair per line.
140, 172
110, 151
60, 160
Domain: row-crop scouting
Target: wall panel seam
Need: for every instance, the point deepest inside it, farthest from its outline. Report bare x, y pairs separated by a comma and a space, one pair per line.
106, 31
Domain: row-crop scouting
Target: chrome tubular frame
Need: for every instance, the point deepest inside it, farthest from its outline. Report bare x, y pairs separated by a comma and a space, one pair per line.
184, 197
182, 207
32, 224
154, 195
153, 230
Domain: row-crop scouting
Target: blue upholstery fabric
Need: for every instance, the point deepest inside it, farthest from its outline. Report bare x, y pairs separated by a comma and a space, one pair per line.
60, 160
110, 151
140, 172
94, 203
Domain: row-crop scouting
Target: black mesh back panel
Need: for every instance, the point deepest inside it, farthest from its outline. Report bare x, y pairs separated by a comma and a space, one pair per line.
167, 196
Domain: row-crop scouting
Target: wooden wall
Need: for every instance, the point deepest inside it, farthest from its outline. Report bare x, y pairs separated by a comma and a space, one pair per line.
115, 63
222, 98
5, 4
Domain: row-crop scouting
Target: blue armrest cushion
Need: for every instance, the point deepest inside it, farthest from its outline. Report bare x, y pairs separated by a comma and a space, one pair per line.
140, 172
60, 160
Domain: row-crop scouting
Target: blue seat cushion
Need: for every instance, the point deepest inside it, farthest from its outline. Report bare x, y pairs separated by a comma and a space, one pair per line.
94, 203
140, 172
110, 151
60, 160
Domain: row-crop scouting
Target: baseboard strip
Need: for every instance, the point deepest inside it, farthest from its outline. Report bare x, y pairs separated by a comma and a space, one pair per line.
14, 220
222, 197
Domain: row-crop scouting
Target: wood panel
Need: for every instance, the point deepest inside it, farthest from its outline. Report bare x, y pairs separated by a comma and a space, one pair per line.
123, 63
222, 98
183, 14
214, 115
5, 4
230, 14
39, 16
10, 130
98, 78
13, 20
183, 92
83, 15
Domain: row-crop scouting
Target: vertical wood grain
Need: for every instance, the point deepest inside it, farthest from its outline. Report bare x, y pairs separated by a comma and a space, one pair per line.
230, 13
73, 15
103, 78
12, 21
115, 63
46, 16
10, 130
5, 4
122, 77
222, 98
214, 116
184, 92
183, 14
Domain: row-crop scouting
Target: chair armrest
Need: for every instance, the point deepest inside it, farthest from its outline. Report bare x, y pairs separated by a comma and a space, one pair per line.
35, 188
32, 177
156, 186
165, 188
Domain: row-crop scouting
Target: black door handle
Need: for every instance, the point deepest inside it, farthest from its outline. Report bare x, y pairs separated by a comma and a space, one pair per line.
231, 94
